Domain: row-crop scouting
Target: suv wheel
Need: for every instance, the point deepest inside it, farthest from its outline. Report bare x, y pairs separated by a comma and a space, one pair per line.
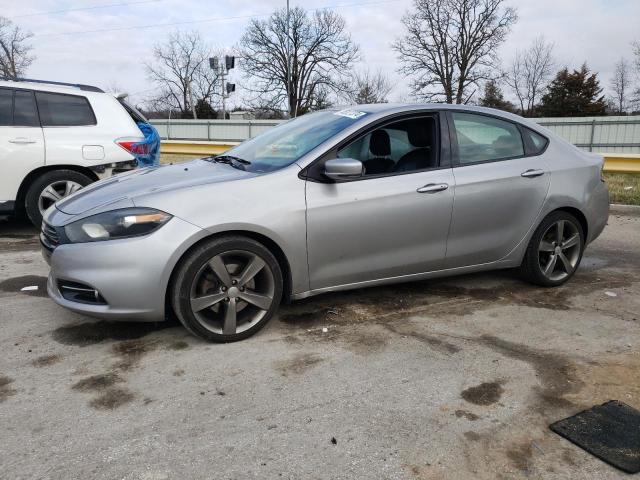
554, 251
49, 188
227, 289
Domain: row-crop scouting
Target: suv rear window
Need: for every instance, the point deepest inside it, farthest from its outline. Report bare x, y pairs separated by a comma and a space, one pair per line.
61, 110
133, 112
18, 108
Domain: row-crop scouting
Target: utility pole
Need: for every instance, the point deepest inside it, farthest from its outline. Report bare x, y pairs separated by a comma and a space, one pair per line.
224, 93
223, 69
193, 107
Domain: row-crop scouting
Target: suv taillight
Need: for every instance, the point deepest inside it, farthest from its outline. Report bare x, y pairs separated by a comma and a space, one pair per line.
134, 147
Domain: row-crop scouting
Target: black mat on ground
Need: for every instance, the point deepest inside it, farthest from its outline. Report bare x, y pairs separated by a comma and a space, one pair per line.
610, 431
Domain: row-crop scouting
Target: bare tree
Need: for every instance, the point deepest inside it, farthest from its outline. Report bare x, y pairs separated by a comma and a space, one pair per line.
621, 84
181, 70
450, 46
529, 74
15, 55
370, 87
295, 60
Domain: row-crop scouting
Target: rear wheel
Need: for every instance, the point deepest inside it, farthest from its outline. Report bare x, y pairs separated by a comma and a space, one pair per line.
554, 251
227, 289
49, 188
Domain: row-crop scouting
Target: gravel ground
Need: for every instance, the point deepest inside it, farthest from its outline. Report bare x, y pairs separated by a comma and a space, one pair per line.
456, 378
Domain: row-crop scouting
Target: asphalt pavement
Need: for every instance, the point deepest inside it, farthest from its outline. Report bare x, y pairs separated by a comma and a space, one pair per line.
454, 378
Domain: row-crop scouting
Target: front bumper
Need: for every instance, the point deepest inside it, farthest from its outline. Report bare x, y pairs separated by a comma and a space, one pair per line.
131, 275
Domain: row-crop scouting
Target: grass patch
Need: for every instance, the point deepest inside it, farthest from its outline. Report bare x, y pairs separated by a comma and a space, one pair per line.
623, 188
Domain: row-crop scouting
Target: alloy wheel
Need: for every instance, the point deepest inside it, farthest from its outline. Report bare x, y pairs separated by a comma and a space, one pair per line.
559, 250
56, 191
232, 291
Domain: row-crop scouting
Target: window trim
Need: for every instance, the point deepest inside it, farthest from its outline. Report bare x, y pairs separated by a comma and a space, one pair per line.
93, 113
310, 172
455, 153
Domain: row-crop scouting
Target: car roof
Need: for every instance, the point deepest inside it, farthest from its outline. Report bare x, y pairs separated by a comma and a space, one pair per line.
394, 108
48, 87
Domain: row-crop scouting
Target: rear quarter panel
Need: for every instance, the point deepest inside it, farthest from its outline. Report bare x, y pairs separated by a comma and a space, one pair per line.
64, 145
576, 183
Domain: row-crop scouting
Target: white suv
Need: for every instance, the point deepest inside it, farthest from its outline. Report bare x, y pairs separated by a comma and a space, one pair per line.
56, 138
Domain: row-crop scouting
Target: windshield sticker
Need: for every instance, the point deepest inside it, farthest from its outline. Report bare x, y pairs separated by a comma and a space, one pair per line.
352, 114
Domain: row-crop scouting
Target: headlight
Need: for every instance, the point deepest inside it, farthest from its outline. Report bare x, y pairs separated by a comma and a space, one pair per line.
124, 223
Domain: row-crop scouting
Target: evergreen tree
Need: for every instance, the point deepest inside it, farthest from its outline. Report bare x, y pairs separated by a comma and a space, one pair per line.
494, 98
575, 94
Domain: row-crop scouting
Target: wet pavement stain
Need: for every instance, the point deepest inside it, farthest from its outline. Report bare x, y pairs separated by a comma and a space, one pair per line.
5, 388
431, 340
466, 414
471, 435
554, 371
18, 243
178, 345
520, 456
91, 333
15, 284
112, 398
485, 394
130, 352
46, 360
97, 382
298, 364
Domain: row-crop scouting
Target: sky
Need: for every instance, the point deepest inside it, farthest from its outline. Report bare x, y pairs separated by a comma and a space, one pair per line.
107, 42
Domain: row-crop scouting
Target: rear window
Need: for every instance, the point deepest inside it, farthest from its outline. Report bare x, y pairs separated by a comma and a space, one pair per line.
61, 110
133, 112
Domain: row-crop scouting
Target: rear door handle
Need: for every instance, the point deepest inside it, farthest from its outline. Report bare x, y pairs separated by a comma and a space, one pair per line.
532, 173
433, 188
22, 140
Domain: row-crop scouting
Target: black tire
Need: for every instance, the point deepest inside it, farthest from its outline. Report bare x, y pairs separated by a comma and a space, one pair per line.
194, 266
531, 268
38, 186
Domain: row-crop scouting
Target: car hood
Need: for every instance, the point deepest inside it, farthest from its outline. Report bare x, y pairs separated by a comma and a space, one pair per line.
128, 186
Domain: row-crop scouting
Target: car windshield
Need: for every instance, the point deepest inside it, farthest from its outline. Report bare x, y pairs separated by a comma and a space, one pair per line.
288, 142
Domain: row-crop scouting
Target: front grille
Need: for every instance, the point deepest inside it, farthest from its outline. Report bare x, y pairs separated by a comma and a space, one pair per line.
49, 236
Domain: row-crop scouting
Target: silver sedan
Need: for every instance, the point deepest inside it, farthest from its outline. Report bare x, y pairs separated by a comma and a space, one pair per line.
333, 200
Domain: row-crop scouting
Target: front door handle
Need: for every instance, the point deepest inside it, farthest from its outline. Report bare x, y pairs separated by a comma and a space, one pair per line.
22, 140
532, 173
433, 188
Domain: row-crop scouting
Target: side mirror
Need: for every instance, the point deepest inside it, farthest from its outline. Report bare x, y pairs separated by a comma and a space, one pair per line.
343, 168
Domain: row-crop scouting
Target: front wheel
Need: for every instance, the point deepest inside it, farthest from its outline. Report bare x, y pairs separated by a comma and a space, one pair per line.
554, 251
49, 188
227, 289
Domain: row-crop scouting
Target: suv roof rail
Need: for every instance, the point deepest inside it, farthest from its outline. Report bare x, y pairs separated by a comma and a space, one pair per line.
87, 88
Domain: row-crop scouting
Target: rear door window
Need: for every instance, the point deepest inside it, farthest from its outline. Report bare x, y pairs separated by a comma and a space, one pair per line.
6, 107
25, 113
482, 138
61, 110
